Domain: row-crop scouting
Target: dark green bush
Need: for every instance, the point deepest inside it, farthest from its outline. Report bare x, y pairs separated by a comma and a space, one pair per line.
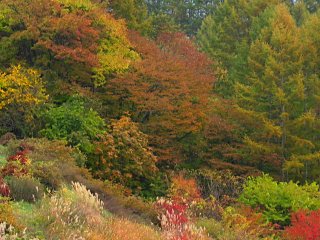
73, 122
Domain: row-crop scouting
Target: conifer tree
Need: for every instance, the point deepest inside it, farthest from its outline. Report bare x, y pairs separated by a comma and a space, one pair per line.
275, 95
306, 163
225, 36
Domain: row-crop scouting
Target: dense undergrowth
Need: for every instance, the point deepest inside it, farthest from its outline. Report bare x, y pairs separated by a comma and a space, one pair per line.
76, 206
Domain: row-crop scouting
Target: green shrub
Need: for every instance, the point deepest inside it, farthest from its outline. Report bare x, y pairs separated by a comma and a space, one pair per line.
79, 157
3, 150
278, 200
25, 188
73, 122
3, 155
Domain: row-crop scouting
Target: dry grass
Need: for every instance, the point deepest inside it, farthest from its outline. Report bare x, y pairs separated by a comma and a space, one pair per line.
7, 232
76, 213
123, 229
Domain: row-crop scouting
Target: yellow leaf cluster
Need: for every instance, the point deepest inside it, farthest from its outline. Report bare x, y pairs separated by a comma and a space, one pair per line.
114, 51
21, 87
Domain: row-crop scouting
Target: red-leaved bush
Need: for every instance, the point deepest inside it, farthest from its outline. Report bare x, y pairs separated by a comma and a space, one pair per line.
17, 164
175, 221
304, 226
4, 188
174, 216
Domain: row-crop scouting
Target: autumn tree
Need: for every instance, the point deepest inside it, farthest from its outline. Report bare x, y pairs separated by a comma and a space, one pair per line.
69, 40
21, 92
222, 134
123, 156
169, 88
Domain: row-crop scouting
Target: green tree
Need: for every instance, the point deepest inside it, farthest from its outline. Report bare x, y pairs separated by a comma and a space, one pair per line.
225, 37
135, 12
6, 29
300, 12
265, 59
312, 5
187, 14
306, 166
140, 18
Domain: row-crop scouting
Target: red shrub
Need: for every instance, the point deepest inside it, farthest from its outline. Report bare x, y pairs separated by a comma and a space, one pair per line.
174, 219
17, 164
19, 156
176, 222
4, 189
304, 226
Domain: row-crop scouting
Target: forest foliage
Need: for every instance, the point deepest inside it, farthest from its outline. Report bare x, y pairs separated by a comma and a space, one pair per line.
199, 116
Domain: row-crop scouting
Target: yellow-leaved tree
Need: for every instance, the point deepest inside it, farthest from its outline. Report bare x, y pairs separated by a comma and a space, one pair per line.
21, 92
21, 86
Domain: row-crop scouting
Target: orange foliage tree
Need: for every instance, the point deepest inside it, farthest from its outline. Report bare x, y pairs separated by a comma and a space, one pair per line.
123, 156
169, 88
184, 189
